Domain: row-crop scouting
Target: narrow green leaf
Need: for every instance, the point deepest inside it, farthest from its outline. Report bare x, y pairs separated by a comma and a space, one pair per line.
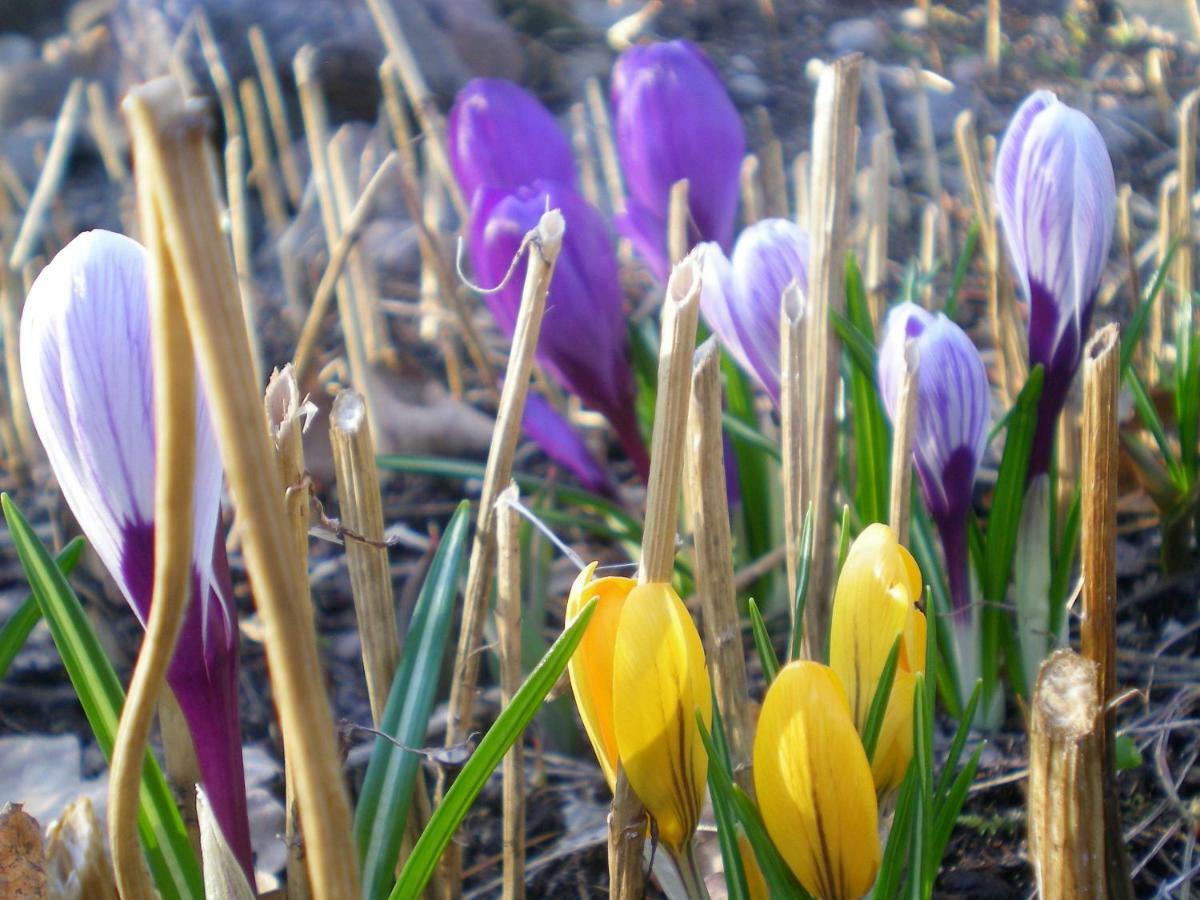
754, 472
749, 435
923, 806
1137, 322
17, 629
803, 574
173, 864
947, 814
887, 883
950, 307
723, 812
762, 643
505, 731
956, 745
883, 693
1062, 564
843, 539
858, 346
872, 443
1149, 416
391, 772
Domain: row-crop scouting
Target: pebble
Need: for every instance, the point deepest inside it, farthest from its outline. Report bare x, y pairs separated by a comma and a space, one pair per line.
863, 35
748, 89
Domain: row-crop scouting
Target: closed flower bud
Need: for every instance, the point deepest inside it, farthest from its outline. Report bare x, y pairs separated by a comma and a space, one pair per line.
1057, 199
814, 784
673, 120
563, 444
873, 605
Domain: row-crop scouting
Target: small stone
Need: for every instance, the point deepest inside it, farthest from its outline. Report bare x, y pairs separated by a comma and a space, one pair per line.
748, 89
913, 19
740, 62
862, 35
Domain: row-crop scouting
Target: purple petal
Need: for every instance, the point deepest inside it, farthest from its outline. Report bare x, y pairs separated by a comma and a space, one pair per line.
648, 234
563, 444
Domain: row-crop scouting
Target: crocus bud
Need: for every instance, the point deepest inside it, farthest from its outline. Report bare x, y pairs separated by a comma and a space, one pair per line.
741, 299
951, 425
563, 444
584, 343
500, 135
86, 366
814, 784
673, 119
873, 605
1057, 199
642, 646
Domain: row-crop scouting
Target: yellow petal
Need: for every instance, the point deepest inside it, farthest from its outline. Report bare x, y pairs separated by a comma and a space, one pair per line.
875, 603
755, 883
814, 786
591, 667
659, 681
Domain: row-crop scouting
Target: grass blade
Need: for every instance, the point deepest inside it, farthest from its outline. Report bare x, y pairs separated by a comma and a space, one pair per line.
872, 444
887, 883
17, 629
803, 571
883, 693
762, 643
744, 432
950, 307
1137, 322
723, 812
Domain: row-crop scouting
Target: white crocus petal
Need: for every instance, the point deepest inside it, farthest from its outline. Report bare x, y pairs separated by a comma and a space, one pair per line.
718, 302
1008, 162
896, 333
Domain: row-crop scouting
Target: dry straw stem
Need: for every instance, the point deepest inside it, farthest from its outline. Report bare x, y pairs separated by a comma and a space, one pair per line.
774, 178
1066, 815
1168, 193
262, 171
834, 116
714, 558
544, 247
1098, 530
169, 142
802, 179
175, 465
1067, 452
883, 124
611, 166
53, 169
992, 36
752, 192
423, 103
434, 324
11, 299
903, 428
681, 313
678, 213
179, 757
1184, 229
104, 133
931, 168
243, 256
219, 73
927, 244
277, 111
508, 628
361, 510
793, 419
589, 177
877, 222
395, 108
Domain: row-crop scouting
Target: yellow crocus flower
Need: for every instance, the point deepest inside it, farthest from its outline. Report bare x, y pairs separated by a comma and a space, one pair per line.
814, 784
638, 677
874, 603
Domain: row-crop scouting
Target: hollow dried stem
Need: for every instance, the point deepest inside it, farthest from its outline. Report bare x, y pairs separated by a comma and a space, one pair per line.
1184, 228
104, 131
678, 214
877, 222
243, 258
902, 440
1168, 193
262, 170
793, 421
992, 36
277, 111
752, 192
508, 628
609, 164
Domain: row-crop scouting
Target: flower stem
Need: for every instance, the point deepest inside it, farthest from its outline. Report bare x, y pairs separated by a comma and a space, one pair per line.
689, 871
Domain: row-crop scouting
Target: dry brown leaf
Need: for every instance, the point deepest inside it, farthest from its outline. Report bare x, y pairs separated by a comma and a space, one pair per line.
22, 862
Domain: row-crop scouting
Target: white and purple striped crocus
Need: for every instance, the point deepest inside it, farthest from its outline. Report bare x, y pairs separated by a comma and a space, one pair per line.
1057, 199
950, 432
86, 366
584, 343
741, 297
673, 119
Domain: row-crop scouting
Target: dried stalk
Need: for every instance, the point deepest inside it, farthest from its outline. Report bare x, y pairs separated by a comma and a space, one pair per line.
394, 108
1184, 229
883, 124
992, 36
1066, 814
262, 171
543, 254
835, 113
774, 179
1098, 545
508, 628
930, 167
609, 164
1067, 456
802, 179
714, 559
361, 510
104, 130
169, 140
678, 214
681, 312
927, 252
179, 757
793, 320
219, 73
903, 428
277, 110
1168, 194
11, 300
877, 223
752, 192
243, 256
589, 177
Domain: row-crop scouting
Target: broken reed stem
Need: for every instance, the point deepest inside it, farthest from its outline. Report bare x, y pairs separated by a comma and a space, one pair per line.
903, 428
927, 252
169, 141
59, 153
285, 425
793, 416
360, 509
104, 131
268, 77
752, 193
681, 313
262, 170
589, 177
542, 254
422, 101
926, 140
1098, 545
1168, 192
1067, 454
508, 628
770, 157
243, 256
1184, 229
714, 559
28, 447
877, 223
394, 108
802, 180
175, 466
434, 324
992, 36
678, 214
834, 118
607, 149
1066, 814
180, 763
219, 74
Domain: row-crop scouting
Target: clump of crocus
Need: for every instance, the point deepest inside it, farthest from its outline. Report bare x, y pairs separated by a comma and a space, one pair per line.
873, 605
639, 678
584, 343
814, 783
673, 120
1057, 200
86, 365
741, 297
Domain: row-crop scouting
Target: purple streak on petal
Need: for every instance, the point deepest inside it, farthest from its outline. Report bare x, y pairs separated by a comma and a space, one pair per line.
1008, 162
501, 135
564, 445
673, 119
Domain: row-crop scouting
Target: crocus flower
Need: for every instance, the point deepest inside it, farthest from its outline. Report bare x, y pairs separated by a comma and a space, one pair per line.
584, 343
501, 135
1057, 199
86, 365
643, 647
951, 425
741, 298
563, 444
873, 605
673, 119
814, 784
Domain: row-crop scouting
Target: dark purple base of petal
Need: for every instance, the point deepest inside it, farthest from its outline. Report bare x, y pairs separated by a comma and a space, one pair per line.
953, 532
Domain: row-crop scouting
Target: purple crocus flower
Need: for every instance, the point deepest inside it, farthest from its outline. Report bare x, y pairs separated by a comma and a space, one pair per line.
563, 444
86, 365
1057, 199
741, 298
501, 135
673, 119
583, 343
950, 431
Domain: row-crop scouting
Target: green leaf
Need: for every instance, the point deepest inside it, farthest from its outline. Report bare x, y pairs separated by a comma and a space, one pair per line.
1149, 417
883, 693
1137, 322
1062, 564
391, 773
947, 814
749, 435
859, 347
957, 744
505, 731
843, 539
173, 864
723, 812
803, 574
950, 307
887, 883
1128, 756
754, 471
762, 643
872, 442
17, 629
